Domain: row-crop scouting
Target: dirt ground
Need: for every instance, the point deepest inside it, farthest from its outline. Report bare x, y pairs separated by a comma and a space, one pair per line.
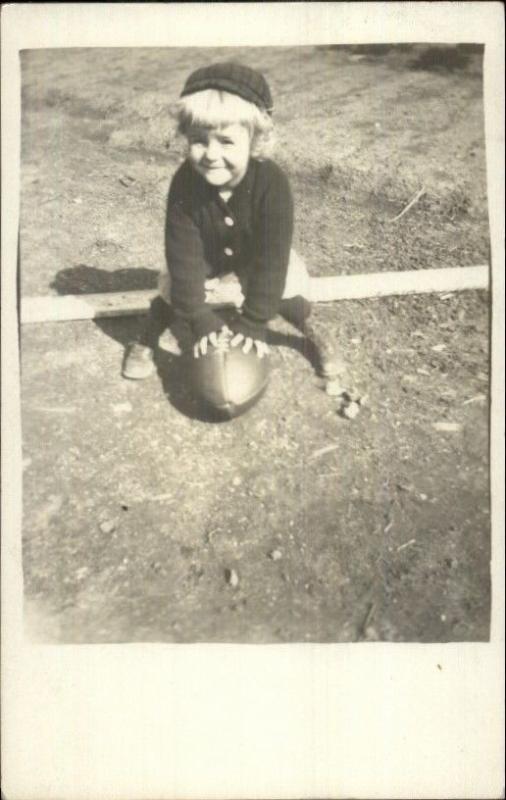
145, 522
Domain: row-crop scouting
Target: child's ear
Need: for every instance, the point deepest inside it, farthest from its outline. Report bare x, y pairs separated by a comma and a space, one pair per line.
253, 142
251, 133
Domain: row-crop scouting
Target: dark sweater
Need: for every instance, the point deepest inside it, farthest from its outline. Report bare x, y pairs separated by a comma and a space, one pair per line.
250, 235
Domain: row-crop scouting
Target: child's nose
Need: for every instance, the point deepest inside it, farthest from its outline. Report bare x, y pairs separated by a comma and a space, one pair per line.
213, 150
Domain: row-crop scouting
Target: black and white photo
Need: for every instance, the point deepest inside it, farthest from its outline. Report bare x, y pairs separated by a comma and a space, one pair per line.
252, 421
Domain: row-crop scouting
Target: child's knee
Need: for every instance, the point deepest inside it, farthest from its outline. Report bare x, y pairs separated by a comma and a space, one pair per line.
295, 310
160, 309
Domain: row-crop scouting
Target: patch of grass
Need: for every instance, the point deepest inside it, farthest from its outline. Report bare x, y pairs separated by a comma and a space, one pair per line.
378, 185
374, 49
368, 49
442, 59
77, 107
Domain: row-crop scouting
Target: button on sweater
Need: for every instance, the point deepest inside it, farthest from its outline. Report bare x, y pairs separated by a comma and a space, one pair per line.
249, 234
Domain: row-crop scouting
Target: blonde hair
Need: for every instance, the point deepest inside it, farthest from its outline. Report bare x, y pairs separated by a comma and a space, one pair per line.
213, 108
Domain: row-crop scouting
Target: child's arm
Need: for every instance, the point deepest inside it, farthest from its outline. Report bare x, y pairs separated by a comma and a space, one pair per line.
187, 263
273, 231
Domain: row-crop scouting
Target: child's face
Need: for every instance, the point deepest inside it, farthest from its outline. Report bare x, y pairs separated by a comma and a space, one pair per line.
220, 155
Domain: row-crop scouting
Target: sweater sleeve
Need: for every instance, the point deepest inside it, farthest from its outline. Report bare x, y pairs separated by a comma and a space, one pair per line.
273, 230
186, 262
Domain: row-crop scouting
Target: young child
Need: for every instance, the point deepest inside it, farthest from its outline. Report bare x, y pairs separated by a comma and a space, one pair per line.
229, 216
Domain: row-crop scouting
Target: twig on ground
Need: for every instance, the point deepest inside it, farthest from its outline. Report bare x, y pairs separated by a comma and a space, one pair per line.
447, 427
159, 497
478, 398
411, 203
353, 245
323, 450
369, 614
210, 534
406, 544
50, 199
362, 628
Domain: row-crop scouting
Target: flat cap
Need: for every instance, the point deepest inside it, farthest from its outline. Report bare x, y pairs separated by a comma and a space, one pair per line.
229, 76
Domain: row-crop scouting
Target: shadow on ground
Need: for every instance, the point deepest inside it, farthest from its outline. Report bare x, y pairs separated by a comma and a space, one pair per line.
172, 370
83, 279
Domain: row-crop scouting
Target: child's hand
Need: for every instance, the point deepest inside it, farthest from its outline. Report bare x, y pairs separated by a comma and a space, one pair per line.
261, 347
201, 347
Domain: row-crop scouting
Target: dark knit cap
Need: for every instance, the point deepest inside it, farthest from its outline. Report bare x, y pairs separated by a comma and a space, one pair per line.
234, 78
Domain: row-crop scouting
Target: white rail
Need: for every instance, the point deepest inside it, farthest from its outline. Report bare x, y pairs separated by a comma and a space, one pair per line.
323, 290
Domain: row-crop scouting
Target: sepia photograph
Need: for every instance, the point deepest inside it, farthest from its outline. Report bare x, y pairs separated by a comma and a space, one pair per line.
252, 408
255, 344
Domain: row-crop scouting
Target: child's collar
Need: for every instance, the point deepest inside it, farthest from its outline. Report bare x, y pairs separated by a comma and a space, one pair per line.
226, 194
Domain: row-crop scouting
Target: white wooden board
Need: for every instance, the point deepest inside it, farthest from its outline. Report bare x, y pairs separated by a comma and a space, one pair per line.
323, 290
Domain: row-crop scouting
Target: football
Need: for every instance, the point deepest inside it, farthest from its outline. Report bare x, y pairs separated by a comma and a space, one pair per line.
229, 381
